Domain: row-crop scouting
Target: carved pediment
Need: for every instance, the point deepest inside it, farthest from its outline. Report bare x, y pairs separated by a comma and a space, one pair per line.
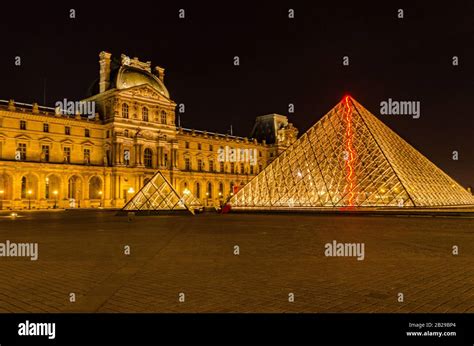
87, 143
23, 137
147, 134
145, 91
46, 139
66, 142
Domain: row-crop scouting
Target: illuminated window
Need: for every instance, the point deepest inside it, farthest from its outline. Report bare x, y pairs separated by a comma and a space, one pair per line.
145, 114
45, 153
87, 156
198, 190
67, 154
125, 111
209, 190
148, 154
187, 164
23, 187
21, 151
221, 189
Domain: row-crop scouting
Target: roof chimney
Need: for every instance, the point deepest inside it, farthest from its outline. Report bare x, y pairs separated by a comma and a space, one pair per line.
104, 63
160, 72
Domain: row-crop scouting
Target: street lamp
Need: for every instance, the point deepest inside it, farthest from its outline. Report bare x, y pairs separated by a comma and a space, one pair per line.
55, 192
1, 199
29, 198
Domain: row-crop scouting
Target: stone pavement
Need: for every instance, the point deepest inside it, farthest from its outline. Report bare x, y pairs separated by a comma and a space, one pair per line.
82, 252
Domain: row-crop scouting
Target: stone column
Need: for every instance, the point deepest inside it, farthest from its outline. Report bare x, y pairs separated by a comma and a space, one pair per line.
141, 154
159, 156
120, 153
107, 190
136, 154
175, 158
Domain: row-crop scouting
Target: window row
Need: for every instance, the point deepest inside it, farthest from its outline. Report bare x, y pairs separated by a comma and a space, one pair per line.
67, 129
232, 167
21, 154
163, 119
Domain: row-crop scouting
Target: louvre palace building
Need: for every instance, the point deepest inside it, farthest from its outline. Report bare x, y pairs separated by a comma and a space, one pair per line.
58, 158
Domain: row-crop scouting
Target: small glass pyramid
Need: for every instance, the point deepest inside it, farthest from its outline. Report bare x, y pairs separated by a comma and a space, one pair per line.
159, 195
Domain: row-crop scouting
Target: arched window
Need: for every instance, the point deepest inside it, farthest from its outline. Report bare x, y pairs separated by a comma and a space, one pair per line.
163, 117
147, 159
23, 187
145, 114
209, 190
125, 110
95, 188
198, 190
221, 189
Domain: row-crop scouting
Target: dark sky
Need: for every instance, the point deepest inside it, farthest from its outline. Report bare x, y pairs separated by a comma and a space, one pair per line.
282, 61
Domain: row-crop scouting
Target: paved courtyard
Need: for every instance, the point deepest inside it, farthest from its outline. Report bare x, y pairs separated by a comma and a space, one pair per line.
82, 252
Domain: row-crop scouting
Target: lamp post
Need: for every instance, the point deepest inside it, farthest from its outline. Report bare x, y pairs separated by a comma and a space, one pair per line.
55, 192
29, 198
1, 199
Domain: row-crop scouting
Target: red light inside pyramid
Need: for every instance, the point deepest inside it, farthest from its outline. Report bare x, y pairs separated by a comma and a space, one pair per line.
350, 150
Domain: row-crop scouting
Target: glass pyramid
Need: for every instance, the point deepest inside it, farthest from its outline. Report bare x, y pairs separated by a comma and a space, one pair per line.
159, 195
349, 158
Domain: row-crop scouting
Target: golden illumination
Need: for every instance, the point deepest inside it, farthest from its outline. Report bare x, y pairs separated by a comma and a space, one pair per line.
386, 170
159, 195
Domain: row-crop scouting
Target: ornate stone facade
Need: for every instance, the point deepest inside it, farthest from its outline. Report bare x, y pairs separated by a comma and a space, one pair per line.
49, 159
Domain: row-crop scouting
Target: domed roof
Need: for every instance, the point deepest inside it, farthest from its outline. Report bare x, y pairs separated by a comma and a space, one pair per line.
128, 77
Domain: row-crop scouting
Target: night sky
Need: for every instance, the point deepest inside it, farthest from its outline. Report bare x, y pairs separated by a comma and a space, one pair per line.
282, 61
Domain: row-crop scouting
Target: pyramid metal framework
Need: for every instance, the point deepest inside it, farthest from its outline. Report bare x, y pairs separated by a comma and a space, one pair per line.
159, 195
349, 158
